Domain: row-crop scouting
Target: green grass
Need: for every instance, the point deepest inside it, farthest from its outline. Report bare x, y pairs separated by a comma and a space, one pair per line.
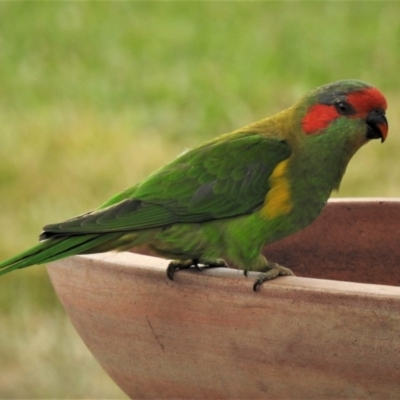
94, 96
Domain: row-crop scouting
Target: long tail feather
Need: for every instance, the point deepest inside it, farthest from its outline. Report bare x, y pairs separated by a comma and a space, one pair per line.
55, 249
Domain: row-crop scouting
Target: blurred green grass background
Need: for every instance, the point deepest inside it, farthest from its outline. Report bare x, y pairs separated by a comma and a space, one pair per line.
94, 96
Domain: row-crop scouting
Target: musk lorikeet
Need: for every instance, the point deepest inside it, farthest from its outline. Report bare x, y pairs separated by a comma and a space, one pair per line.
229, 197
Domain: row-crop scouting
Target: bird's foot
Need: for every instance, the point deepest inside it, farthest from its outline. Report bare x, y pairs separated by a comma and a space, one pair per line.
177, 265
272, 271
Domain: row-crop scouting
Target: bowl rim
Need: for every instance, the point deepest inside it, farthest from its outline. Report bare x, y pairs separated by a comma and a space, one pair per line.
129, 262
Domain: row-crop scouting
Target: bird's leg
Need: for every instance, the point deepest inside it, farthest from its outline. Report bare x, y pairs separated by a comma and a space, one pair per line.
213, 263
177, 265
271, 271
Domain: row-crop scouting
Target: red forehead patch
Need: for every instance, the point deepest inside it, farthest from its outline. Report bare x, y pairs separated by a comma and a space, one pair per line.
367, 100
319, 116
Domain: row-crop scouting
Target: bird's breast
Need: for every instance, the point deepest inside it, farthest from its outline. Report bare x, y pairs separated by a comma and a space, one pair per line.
294, 200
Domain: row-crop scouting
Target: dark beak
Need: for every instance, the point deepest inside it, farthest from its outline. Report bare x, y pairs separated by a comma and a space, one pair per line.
377, 125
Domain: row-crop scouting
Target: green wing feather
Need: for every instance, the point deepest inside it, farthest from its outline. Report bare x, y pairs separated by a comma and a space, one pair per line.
224, 178
54, 249
221, 179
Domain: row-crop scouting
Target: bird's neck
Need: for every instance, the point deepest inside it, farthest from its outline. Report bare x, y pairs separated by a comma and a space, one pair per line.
316, 173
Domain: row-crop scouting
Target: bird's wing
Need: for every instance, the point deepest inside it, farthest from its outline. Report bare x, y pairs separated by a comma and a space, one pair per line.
224, 178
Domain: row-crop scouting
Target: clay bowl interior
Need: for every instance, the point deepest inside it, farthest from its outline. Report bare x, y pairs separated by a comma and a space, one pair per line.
330, 332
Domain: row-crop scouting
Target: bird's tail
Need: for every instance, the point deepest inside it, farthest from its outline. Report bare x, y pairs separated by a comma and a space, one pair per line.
57, 248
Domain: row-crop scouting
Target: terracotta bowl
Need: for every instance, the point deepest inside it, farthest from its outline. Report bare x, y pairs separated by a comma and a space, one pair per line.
208, 335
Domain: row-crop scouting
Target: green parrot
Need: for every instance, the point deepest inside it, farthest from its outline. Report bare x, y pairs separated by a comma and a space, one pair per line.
223, 201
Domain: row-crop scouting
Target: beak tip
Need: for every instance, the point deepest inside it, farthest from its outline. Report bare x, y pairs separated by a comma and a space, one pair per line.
378, 126
384, 132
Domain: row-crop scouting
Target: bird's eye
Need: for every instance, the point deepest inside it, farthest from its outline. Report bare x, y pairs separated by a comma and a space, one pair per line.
344, 108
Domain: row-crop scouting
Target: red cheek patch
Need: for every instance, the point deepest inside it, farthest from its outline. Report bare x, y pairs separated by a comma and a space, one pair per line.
318, 117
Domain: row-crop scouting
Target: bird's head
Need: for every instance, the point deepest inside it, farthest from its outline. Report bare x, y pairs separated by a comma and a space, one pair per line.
348, 113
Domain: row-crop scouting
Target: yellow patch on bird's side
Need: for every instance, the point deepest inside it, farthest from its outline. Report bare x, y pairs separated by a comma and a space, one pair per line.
277, 201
